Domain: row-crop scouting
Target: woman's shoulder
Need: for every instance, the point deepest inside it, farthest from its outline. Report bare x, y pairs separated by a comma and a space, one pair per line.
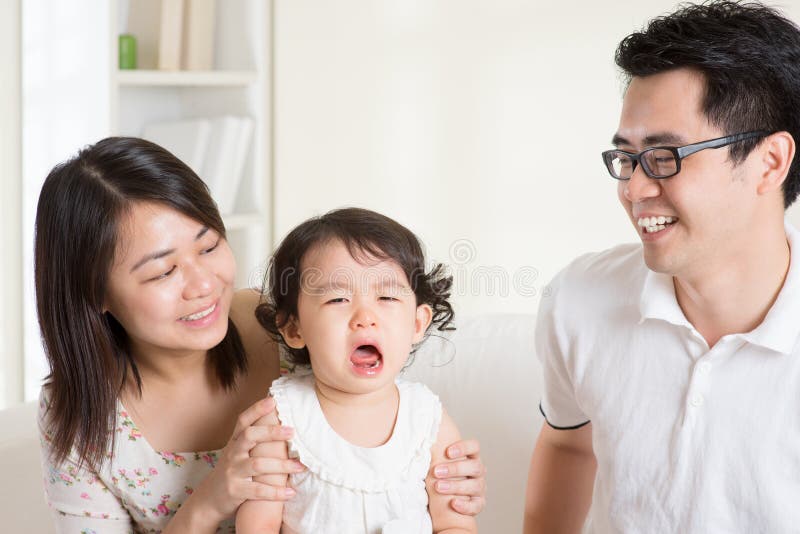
243, 306
262, 352
257, 343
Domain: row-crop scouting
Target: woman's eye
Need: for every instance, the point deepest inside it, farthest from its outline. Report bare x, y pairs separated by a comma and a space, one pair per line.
388, 299
211, 249
336, 301
164, 275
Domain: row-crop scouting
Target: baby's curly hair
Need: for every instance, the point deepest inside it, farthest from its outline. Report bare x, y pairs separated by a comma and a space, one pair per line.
367, 235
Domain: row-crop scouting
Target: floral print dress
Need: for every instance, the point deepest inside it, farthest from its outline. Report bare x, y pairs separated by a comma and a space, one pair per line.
137, 490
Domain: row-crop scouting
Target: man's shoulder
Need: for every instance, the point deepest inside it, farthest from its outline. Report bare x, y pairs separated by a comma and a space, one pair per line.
616, 264
601, 278
606, 283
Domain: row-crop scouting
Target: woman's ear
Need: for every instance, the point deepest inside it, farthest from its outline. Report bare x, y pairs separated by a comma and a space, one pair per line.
422, 320
292, 334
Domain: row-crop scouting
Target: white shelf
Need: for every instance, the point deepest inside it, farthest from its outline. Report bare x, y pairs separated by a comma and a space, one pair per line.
237, 221
237, 85
160, 78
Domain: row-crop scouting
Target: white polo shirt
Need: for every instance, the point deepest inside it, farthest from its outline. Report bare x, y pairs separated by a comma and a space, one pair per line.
687, 439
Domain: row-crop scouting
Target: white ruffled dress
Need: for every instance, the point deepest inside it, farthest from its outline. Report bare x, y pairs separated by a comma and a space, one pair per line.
355, 490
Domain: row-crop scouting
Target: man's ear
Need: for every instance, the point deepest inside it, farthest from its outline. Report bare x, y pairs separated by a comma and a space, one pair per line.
422, 320
777, 152
291, 334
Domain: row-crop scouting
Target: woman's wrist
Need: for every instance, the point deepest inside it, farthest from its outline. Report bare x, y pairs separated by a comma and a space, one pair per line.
195, 518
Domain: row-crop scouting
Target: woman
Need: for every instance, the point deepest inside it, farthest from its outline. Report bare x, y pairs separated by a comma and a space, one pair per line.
152, 353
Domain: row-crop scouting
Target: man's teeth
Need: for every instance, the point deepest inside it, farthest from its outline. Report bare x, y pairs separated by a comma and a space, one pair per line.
200, 315
655, 224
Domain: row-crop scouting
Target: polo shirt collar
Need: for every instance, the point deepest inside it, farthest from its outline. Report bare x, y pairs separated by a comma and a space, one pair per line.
780, 329
658, 300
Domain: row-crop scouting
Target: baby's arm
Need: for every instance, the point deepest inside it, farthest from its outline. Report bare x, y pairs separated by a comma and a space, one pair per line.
445, 519
264, 517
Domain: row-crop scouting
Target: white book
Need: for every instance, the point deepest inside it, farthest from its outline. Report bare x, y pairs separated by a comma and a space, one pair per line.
198, 34
186, 139
228, 144
170, 35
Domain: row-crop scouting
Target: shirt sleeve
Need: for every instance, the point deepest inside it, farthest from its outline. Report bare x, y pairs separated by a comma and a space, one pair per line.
81, 503
558, 405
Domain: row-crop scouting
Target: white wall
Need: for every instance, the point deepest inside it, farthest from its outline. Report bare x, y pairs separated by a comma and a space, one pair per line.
65, 106
10, 201
478, 124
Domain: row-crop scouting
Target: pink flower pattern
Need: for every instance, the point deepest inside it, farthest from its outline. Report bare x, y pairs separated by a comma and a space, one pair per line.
133, 486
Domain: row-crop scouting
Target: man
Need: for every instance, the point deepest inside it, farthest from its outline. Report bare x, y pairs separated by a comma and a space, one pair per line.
672, 367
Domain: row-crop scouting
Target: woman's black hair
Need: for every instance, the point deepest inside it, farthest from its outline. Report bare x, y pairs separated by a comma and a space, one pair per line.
367, 235
82, 206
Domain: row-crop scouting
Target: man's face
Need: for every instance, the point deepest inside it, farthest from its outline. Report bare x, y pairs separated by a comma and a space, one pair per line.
711, 202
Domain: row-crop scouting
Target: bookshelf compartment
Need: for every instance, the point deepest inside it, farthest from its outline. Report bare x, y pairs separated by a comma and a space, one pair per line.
238, 85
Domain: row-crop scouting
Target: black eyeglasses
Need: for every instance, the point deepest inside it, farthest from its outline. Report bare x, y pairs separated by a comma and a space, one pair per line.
664, 161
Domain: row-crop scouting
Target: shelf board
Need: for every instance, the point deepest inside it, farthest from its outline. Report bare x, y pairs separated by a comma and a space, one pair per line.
236, 221
186, 78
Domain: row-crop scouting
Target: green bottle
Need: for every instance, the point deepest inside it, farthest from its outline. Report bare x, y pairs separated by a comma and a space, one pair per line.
127, 51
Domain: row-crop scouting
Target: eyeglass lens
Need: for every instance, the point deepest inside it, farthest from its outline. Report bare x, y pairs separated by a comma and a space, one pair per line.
656, 162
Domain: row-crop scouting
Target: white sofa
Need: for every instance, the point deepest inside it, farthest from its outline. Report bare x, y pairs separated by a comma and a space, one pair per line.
490, 386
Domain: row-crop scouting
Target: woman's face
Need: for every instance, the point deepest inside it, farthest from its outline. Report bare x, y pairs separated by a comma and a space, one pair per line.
171, 283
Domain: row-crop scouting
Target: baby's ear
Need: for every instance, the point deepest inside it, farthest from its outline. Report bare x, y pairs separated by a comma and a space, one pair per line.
422, 321
291, 334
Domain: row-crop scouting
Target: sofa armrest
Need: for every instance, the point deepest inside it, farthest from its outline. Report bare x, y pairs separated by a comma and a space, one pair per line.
22, 504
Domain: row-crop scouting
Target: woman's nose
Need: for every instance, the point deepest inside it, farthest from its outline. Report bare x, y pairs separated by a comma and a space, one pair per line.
199, 281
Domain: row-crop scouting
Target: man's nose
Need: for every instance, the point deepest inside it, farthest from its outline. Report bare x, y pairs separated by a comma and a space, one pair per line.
640, 186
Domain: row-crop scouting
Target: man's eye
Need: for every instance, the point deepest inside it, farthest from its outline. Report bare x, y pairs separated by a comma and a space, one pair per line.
388, 299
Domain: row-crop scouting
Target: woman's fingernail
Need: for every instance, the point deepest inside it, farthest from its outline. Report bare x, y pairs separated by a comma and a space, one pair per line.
298, 467
289, 492
441, 471
442, 485
287, 431
454, 452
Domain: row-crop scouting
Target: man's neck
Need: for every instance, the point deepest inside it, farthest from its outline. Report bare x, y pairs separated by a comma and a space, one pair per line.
735, 297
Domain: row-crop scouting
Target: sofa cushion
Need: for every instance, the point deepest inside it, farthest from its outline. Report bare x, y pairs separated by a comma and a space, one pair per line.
490, 382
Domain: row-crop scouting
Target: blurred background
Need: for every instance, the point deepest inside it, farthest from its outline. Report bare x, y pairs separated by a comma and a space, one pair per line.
477, 124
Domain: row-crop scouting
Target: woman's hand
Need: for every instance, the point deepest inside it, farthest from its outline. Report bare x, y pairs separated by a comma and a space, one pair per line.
231, 481
465, 478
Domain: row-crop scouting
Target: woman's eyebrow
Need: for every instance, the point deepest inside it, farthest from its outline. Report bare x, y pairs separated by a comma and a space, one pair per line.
162, 253
152, 256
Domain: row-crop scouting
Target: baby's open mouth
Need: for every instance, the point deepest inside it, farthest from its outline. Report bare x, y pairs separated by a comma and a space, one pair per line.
366, 357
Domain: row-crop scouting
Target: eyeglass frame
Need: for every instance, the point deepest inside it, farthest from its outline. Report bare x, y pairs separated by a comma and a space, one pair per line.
679, 152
